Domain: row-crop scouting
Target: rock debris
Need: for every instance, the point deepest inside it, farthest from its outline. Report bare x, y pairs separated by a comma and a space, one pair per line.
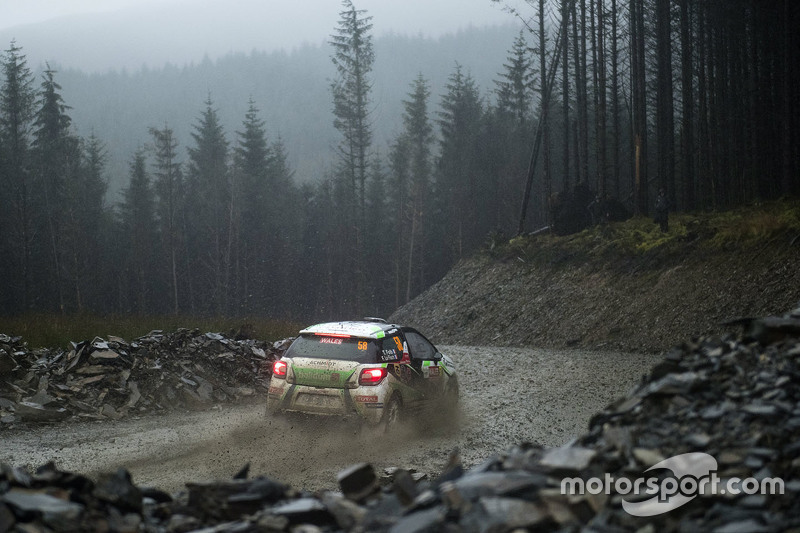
724, 406
112, 379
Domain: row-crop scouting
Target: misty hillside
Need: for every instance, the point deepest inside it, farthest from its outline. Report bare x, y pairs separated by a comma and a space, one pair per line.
291, 89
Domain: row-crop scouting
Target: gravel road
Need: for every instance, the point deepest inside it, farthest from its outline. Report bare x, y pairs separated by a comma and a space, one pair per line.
509, 396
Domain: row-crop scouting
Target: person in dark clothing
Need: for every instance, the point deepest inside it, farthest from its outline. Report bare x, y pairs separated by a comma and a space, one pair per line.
662, 210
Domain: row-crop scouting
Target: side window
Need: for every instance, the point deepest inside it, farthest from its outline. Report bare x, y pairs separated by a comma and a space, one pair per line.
391, 349
419, 346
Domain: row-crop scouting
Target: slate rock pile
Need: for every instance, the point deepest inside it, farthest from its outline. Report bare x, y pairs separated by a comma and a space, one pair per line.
736, 399
111, 379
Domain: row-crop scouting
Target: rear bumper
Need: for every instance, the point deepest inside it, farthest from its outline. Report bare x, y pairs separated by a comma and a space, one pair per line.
366, 403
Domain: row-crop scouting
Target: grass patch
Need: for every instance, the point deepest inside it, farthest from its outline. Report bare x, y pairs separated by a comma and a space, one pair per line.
756, 224
640, 237
55, 330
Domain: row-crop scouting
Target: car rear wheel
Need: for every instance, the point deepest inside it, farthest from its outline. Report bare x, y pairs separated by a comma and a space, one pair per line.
451, 397
391, 414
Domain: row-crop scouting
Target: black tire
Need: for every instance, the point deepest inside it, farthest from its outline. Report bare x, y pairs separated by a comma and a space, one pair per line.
392, 414
271, 410
451, 396
450, 416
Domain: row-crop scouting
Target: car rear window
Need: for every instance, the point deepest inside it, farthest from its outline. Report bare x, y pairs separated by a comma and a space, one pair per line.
338, 348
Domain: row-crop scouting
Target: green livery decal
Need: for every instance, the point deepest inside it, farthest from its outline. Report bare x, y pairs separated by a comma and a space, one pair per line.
319, 377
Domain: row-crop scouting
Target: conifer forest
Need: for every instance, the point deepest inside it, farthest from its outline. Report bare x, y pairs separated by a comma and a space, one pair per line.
600, 102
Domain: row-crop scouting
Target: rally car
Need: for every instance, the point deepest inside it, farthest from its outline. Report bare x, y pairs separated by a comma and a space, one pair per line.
369, 369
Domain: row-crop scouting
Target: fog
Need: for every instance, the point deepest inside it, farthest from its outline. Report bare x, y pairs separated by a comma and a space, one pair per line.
101, 35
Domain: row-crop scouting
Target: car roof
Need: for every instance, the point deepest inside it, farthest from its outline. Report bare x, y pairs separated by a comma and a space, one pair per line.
353, 328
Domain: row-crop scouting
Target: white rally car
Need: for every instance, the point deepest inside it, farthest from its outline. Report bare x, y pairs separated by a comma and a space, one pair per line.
370, 369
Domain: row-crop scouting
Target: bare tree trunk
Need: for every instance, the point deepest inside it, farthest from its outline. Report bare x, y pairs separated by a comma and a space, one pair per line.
565, 99
601, 109
548, 178
704, 166
595, 85
581, 95
615, 107
687, 97
638, 83
664, 108
551, 78
786, 134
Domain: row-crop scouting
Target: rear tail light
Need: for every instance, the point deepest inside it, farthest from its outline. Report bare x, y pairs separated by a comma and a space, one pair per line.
372, 376
279, 369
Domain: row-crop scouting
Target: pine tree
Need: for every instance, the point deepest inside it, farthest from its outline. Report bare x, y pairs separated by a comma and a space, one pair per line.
353, 57
56, 158
86, 217
418, 133
252, 160
17, 231
137, 219
457, 172
169, 205
210, 203
399, 209
515, 89
380, 249
507, 137
285, 228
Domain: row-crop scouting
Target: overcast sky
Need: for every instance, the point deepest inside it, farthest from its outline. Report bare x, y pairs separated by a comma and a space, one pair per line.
400, 15
88, 33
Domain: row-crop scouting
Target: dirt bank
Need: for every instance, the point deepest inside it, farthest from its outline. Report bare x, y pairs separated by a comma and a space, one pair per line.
509, 396
644, 303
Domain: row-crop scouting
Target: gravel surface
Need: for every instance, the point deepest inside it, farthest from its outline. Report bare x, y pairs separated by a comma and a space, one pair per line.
509, 396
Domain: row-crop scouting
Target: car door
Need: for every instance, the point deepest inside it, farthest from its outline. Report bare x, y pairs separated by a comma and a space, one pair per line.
425, 361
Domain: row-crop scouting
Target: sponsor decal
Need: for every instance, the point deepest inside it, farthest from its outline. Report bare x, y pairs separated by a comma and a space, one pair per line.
275, 391
366, 398
433, 372
389, 355
330, 340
